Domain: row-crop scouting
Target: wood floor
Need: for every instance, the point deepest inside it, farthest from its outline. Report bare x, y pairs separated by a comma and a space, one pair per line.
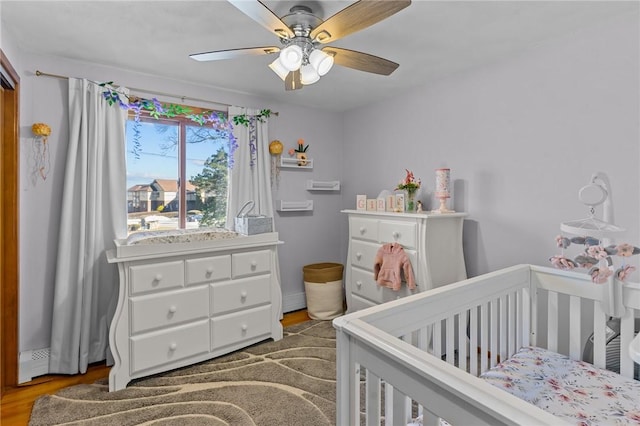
17, 403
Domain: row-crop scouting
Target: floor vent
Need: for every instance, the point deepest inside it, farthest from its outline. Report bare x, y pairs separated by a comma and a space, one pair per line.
33, 364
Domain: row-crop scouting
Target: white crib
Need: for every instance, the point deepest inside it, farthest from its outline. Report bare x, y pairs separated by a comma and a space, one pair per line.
386, 366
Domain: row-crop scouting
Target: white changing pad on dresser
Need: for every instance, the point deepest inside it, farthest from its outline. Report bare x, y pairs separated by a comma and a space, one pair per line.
574, 390
179, 236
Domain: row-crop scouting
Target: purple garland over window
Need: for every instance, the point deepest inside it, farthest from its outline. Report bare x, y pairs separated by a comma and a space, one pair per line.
156, 110
253, 142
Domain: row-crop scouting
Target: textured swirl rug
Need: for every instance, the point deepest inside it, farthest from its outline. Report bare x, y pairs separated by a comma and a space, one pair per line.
289, 382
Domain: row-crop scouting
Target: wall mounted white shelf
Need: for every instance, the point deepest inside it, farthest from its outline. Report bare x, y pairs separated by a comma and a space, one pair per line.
294, 206
323, 185
294, 163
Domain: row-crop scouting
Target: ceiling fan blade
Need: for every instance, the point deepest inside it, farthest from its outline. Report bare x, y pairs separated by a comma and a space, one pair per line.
217, 55
292, 81
361, 61
356, 17
260, 13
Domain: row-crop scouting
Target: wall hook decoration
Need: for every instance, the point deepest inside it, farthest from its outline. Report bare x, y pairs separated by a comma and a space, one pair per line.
42, 164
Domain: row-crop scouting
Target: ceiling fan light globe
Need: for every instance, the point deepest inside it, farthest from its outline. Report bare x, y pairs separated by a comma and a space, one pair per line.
308, 75
321, 61
291, 57
277, 67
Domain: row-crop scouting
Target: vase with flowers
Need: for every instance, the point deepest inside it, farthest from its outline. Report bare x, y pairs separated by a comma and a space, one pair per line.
410, 185
301, 152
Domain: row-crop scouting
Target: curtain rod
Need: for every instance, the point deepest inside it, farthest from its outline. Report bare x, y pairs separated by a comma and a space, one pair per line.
46, 74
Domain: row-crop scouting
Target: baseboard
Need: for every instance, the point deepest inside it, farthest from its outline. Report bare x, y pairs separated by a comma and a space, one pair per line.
293, 302
33, 363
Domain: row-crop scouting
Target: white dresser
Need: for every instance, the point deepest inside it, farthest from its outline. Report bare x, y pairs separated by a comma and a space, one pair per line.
432, 241
183, 303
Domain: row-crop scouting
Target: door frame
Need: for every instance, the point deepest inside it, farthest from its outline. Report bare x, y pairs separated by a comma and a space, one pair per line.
9, 223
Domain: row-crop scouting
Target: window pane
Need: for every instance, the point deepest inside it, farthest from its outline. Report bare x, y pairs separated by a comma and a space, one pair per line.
206, 171
152, 175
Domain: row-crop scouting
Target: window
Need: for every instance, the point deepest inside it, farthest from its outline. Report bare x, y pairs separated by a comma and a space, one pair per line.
163, 153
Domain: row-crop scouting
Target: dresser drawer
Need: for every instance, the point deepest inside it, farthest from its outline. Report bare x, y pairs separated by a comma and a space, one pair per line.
157, 276
363, 285
398, 232
239, 294
166, 346
251, 263
245, 325
168, 308
364, 229
208, 269
363, 254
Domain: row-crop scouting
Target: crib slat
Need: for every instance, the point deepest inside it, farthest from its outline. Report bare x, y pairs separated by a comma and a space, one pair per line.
575, 340
493, 334
400, 404
520, 306
473, 346
525, 317
503, 328
626, 336
388, 405
512, 323
437, 339
599, 335
462, 340
450, 339
372, 403
552, 321
484, 338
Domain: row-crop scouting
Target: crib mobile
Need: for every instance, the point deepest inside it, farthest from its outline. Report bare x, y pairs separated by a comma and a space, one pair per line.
596, 237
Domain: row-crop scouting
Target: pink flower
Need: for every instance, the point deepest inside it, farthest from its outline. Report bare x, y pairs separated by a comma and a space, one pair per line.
562, 262
624, 272
563, 242
624, 250
600, 275
597, 251
292, 151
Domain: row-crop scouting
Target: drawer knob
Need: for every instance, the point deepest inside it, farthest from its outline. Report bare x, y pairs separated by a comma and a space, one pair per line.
158, 277
173, 347
209, 271
172, 309
358, 256
243, 294
244, 327
396, 234
254, 264
363, 229
359, 283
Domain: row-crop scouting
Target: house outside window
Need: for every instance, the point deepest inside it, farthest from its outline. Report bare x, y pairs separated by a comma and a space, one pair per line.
162, 153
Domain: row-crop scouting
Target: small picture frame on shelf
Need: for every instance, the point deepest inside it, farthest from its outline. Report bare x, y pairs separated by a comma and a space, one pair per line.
372, 205
361, 202
399, 203
382, 204
391, 202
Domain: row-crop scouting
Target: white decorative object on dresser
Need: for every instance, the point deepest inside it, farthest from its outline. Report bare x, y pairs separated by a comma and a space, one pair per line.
186, 302
433, 243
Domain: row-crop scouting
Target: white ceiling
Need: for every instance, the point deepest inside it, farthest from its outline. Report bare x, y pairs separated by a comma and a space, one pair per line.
429, 39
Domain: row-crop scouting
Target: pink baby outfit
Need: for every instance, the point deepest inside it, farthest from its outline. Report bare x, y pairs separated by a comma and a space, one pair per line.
389, 261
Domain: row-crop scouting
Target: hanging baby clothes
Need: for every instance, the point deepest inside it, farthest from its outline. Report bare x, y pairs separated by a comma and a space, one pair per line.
388, 264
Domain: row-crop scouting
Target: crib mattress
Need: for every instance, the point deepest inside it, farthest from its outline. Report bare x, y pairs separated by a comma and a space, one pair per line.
574, 390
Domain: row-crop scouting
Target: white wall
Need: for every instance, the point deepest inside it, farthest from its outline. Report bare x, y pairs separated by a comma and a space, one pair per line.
521, 137
45, 99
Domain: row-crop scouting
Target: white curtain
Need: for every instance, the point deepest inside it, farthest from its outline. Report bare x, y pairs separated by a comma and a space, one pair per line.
250, 177
93, 214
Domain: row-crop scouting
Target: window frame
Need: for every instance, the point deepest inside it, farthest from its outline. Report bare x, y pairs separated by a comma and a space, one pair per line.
182, 122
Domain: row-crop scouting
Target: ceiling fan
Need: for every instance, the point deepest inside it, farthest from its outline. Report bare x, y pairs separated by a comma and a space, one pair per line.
302, 60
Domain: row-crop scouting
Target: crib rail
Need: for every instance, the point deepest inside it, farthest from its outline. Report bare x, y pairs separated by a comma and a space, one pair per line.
419, 356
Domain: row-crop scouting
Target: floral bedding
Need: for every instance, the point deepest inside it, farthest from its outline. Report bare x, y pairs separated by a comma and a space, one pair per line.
574, 390
179, 236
